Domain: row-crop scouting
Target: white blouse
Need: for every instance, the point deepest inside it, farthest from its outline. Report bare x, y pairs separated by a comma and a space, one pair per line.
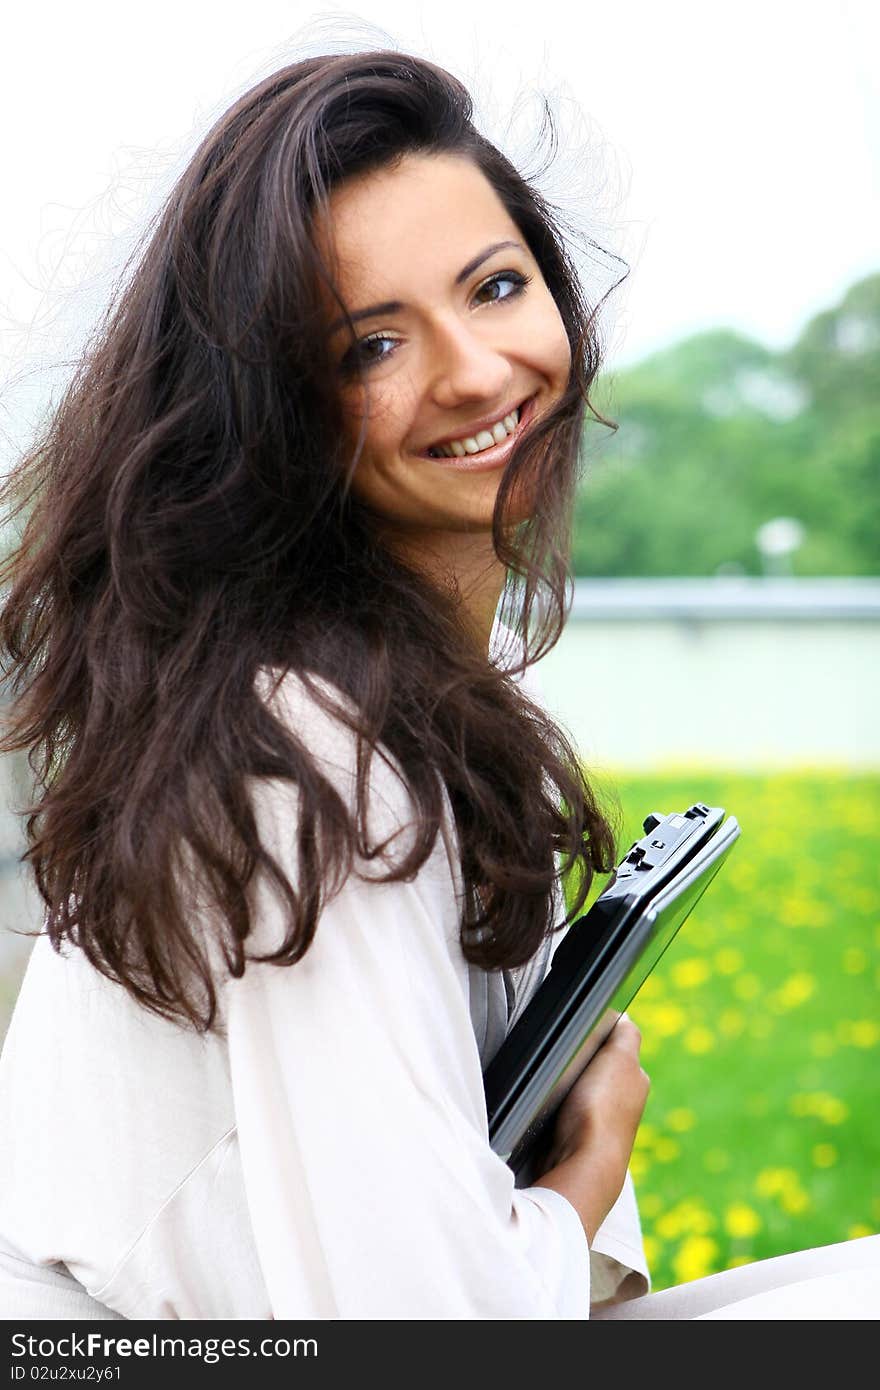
326, 1155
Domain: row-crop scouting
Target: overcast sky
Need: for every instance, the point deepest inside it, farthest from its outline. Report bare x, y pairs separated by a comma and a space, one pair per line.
731, 152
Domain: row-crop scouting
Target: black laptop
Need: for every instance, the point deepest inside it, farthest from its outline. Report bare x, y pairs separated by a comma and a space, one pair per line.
596, 970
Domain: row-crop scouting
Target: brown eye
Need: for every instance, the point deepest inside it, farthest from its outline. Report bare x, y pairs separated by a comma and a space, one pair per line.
506, 284
365, 352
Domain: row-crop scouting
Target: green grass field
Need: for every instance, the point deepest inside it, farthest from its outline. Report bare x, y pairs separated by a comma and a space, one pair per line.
761, 1028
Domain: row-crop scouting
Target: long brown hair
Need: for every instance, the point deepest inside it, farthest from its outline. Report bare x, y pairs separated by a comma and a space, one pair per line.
190, 524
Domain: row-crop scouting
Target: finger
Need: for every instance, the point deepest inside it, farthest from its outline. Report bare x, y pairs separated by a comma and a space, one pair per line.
627, 1032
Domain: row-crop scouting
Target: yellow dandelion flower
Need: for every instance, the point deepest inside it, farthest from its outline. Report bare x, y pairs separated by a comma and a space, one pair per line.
736, 1260
666, 1150
747, 986
669, 1226
646, 1135
865, 1033
639, 1165
858, 1230
716, 1160
653, 987
796, 990
687, 1218
824, 1155
855, 962
741, 1221
743, 874
687, 974
699, 1040
819, 1105
695, 1258
731, 1023
797, 910
771, 1181
697, 1220
681, 1120
728, 961
784, 1184
794, 1200
860, 816
667, 1020
834, 1111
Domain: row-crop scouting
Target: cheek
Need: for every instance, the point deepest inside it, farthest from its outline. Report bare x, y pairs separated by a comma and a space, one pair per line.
564, 349
544, 332
380, 418
375, 479
552, 345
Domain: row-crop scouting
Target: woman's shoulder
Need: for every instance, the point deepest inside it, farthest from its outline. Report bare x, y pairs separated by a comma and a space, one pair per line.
324, 719
316, 710
506, 652
312, 707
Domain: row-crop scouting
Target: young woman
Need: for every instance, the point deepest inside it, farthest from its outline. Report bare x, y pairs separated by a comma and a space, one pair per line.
301, 818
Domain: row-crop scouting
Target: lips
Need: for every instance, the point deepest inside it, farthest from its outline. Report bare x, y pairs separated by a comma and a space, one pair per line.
472, 429
494, 457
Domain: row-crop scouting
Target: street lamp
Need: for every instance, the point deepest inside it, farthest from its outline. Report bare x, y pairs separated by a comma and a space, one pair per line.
777, 540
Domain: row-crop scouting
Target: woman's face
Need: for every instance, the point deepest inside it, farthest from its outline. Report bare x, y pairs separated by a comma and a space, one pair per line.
461, 341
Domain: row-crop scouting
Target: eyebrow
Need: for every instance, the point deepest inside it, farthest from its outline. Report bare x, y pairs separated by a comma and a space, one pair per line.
394, 306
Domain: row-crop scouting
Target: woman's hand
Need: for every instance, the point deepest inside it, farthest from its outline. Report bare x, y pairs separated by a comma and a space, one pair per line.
596, 1128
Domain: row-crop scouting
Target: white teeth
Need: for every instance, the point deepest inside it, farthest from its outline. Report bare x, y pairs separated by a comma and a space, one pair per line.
484, 439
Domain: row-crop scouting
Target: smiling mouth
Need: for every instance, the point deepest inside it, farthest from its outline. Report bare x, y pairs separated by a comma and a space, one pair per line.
489, 438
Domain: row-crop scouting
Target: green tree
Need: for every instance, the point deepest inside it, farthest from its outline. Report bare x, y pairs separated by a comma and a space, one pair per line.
718, 435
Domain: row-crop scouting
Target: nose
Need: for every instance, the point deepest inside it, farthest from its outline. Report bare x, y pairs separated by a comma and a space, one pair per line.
466, 367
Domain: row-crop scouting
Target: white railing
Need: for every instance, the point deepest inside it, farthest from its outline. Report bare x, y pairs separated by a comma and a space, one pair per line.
777, 599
